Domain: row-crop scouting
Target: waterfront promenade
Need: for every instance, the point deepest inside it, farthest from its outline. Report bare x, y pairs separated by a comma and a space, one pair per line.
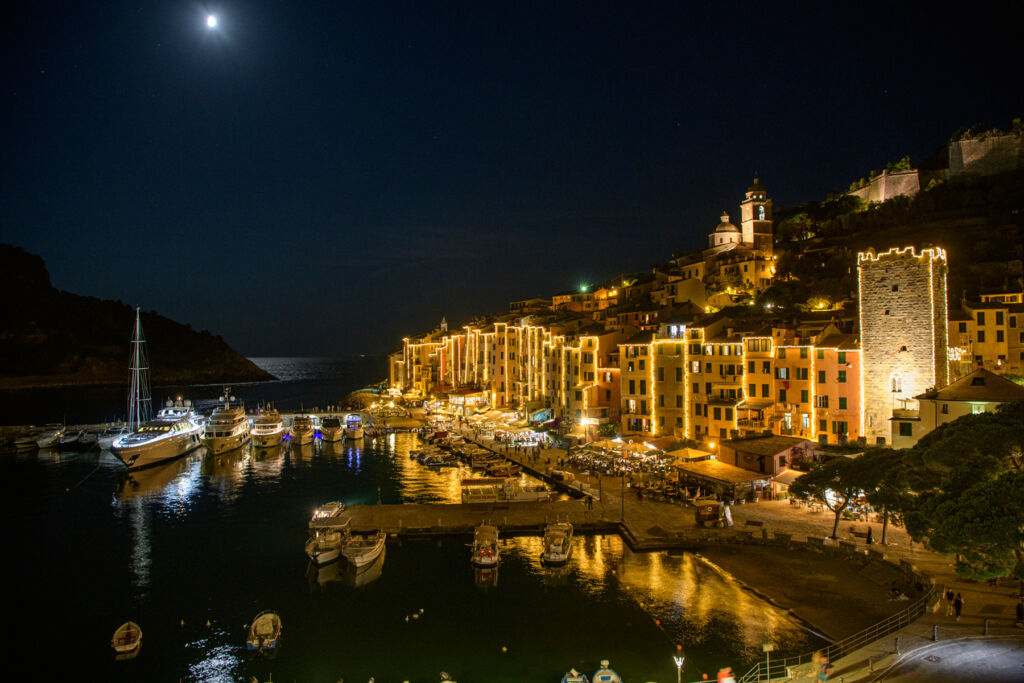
934, 647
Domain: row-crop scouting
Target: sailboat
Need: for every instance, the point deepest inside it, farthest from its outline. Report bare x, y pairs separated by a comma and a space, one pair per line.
173, 433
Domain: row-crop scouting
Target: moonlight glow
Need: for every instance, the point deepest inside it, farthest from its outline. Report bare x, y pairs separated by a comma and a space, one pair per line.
211, 21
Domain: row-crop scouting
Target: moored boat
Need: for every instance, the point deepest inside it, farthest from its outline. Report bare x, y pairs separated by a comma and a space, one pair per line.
606, 674
331, 429
127, 639
354, 426
70, 441
171, 434
505, 469
557, 543
360, 550
51, 436
501, 490
325, 543
485, 552
574, 676
264, 633
111, 434
227, 428
267, 428
301, 432
327, 511
25, 443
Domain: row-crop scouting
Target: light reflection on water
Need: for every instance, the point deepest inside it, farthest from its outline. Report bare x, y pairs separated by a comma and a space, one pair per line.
221, 537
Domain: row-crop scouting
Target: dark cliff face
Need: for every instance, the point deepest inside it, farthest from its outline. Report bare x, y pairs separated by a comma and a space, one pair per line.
50, 337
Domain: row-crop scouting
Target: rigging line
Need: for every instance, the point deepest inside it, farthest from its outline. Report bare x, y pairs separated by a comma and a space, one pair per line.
82, 481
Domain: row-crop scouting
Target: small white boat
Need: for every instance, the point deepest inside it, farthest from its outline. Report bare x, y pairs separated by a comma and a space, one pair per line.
360, 551
301, 432
485, 551
331, 429
328, 510
265, 632
557, 543
112, 434
51, 437
606, 674
70, 440
88, 440
324, 545
574, 676
127, 638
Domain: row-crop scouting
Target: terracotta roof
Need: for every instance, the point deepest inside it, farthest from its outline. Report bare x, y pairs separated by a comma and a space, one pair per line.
716, 470
980, 385
764, 445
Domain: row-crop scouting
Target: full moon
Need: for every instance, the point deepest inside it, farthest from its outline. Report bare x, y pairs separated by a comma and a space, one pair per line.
211, 21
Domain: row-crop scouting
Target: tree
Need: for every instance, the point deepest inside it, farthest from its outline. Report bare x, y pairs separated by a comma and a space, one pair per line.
835, 483
882, 474
968, 480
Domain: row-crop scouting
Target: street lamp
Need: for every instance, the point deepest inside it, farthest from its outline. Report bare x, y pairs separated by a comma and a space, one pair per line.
678, 659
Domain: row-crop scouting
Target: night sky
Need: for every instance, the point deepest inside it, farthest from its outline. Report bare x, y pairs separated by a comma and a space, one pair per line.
324, 178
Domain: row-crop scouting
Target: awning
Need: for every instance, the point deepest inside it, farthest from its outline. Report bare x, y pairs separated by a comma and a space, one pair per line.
718, 472
755, 404
788, 477
689, 454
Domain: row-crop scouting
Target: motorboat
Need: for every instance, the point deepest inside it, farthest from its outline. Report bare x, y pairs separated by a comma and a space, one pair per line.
267, 428
557, 543
301, 432
228, 426
574, 676
327, 511
127, 639
361, 550
51, 436
357, 577
505, 469
331, 429
70, 441
354, 426
25, 443
264, 633
172, 434
606, 674
110, 434
485, 551
325, 543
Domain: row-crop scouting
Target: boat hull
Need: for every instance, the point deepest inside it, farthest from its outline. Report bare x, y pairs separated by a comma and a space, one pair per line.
144, 455
332, 434
268, 440
223, 444
301, 438
356, 433
360, 556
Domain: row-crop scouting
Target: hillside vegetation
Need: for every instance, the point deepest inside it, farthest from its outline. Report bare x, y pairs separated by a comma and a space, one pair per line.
51, 337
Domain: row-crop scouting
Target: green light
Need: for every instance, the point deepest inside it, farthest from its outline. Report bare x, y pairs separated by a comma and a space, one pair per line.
584, 288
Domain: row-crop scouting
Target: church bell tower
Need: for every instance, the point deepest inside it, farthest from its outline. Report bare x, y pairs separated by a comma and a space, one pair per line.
756, 219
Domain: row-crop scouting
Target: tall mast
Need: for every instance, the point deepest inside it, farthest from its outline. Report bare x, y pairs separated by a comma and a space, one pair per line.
139, 404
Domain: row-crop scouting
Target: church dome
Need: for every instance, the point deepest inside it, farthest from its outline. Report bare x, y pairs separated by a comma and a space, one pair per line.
725, 225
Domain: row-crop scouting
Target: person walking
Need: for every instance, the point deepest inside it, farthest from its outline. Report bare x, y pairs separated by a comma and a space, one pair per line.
958, 606
869, 539
949, 602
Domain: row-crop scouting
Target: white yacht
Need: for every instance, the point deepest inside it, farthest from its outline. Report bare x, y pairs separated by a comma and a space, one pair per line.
301, 432
331, 429
171, 434
354, 426
557, 543
268, 428
325, 543
228, 426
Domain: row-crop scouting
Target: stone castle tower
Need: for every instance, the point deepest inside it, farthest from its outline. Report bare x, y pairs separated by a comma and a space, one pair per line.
903, 336
756, 218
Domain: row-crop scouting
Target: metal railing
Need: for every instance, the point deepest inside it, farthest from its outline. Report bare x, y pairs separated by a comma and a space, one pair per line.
779, 668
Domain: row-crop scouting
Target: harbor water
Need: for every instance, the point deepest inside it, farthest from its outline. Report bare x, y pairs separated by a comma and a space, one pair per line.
193, 549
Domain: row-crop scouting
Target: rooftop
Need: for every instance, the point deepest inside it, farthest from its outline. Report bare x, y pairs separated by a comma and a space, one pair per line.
981, 386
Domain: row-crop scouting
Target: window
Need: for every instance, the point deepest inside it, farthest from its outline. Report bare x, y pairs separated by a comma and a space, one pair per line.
821, 354
694, 366
751, 365
643, 386
629, 366
764, 391
801, 373
766, 367
841, 356
999, 317
981, 317
804, 396
895, 288
803, 352
999, 336
632, 386
781, 373
981, 336
821, 401
782, 395
752, 390
842, 403
696, 387
782, 353
821, 376
641, 364
906, 429
1013, 321
728, 413
661, 374
897, 384
679, 374
962, 328
661, 400
805, 421
823, 425
579, 395
842, 377
679, 400
718, 413
945, 409
977, 410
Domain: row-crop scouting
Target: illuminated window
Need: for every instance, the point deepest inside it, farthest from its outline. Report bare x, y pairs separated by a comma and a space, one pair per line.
977, 410
897, 384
